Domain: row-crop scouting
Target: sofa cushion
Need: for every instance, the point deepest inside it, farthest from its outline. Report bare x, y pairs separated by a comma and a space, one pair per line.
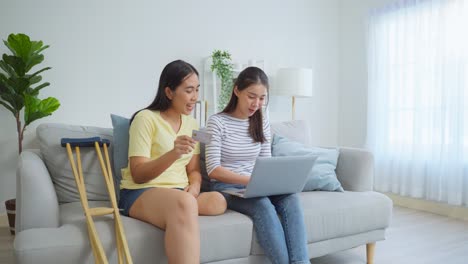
226, 236
121, 126
58, 165
297, 130
322, 176
330, 215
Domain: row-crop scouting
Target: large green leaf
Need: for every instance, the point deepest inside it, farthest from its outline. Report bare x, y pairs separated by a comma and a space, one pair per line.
26, 50
33, 61
41, 49
38, 88
3, 80
16, 63
3, 77
36, 108
35, 79
20, 84
35, 47
16, 101
20, 45
8, 46
5, 86
7, 68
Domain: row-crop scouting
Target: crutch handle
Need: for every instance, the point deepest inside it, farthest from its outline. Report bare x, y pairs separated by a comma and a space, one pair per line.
84, 142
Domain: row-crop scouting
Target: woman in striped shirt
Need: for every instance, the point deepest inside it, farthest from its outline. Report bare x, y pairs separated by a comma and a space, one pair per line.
240, 134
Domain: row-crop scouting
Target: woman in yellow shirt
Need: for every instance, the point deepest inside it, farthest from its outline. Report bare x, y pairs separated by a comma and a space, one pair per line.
161, 184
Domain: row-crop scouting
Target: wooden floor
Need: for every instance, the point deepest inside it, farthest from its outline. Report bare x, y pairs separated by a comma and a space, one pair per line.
414, 237
6, 242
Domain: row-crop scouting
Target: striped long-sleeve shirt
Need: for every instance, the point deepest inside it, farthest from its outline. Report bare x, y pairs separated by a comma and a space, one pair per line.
231, 145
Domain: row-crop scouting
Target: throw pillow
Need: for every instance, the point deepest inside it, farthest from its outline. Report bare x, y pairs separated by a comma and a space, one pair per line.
121, 127
56, 160
322, 176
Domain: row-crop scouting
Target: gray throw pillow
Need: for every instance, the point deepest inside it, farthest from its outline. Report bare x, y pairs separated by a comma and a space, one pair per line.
121, 139
322, 176
56, 160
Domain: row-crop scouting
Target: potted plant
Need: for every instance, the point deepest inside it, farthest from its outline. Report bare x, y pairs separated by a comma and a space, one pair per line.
222, 65
19, 89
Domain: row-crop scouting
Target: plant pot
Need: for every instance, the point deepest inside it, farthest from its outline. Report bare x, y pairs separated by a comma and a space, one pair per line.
11, 212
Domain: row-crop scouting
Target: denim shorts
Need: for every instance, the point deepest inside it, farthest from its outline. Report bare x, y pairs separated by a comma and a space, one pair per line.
129, 196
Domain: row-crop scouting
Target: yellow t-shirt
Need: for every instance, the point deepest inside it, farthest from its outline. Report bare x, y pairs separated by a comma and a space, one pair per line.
151, 136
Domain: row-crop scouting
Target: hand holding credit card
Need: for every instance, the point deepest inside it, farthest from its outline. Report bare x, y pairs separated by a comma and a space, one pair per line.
201, 136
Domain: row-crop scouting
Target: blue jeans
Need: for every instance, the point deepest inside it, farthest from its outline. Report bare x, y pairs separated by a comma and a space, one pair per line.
283, 238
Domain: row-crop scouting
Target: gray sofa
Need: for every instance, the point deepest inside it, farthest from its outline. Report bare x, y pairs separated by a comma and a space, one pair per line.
51, 228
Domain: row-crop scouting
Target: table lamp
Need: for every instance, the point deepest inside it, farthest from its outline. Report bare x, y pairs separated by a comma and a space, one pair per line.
294, 82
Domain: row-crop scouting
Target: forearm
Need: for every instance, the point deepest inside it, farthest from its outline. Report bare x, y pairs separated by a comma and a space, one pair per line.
194, 177
147, 171
225, 175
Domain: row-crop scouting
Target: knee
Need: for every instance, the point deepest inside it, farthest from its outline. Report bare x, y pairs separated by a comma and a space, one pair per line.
186, 207
292, 200
289, 204
218, 203
263, 207
212, 203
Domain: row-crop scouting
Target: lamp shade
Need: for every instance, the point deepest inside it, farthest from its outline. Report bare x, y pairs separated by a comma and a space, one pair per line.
294, 82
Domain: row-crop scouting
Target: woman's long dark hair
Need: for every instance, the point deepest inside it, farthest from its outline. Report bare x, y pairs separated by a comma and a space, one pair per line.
172, 76
248, 77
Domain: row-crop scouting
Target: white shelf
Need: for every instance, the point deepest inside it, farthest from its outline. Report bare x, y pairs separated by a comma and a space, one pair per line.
212, 84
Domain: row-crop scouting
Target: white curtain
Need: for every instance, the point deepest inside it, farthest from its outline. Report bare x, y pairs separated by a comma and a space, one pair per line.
418, 99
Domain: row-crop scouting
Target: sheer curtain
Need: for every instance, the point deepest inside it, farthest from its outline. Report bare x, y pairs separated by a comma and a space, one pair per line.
418, 99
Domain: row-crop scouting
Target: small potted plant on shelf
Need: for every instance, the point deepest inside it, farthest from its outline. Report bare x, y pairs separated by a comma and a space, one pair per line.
19, 89
223, 66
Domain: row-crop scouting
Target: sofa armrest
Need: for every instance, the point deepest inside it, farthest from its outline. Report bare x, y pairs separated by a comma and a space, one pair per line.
36, 201
355, 169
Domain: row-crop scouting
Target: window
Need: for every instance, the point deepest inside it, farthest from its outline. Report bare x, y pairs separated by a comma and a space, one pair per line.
418, 97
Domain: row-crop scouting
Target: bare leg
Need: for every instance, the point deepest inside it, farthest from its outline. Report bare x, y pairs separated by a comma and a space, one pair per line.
211, 203
177, 213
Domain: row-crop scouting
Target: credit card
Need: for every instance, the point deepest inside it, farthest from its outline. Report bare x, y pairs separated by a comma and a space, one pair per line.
201, 136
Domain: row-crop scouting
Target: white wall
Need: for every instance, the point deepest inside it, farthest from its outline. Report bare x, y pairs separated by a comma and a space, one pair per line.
107, 55
353, 70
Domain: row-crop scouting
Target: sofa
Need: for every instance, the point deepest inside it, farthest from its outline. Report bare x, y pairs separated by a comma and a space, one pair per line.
51, 227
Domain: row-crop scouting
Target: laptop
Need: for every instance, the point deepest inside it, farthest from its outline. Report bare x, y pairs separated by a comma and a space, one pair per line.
276, 175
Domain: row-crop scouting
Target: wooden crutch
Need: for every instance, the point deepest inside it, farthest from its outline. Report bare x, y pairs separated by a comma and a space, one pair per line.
96, 245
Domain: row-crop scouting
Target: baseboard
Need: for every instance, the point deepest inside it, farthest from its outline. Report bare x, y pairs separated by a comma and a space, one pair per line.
3, 220
453, 211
